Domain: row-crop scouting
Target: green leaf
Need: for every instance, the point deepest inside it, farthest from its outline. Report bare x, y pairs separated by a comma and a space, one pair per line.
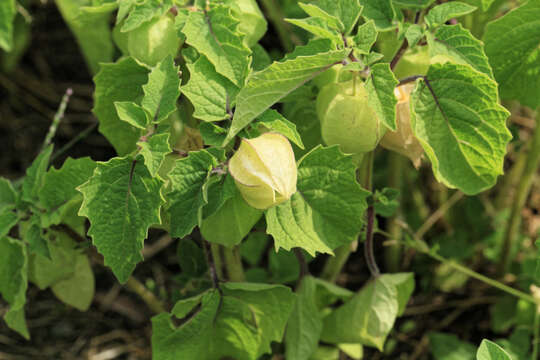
154, 151
253, 248
208, 91
231, 222
283, 267
8, 196
121, 81
219, 190
414, 4
318, 27
386, 201
274, 121
380, 88
187, 194
141, 12
90, 25
13, 282
214, 34
513, 48
35, 175
315, 11
327, 210
347, 11
132, 114
121, 200
8, 219
304, 327
60, 185
490, 351
461, 126
191, 260
33, 236
414, 34
241, 323
77, 290
449, 347
461, 46
162, 90
369, 316
444, 12
184, 306
365, 37
266, 87
212, 134
7, 16
381, 12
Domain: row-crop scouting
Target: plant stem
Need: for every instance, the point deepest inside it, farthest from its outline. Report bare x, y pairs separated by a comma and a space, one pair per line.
217, 259
368, 244
146, 295
57, 118
73, 141
536, 331
233, 264
211, 260
399, 54
304, 270
392, 253
439, 213
275, 16
524, 187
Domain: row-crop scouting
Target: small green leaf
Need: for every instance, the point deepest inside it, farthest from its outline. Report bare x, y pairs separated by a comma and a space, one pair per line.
121, 200
78, 289
212, 134
208, 91
7, 16
461, 46
231, 222
369, 316
461, 126
513, 48
8, 219
347, 11
13, 282
162, 90
35, 175
240, 323
490, 351
132, 113
414, 4
365, 37
318, 27
154, 151
414, 34
380, 88
274, 121
381, 12
386, 201
121, 81
33, 236
187, 196
304, 327
268, 86
327, 210
214, 34
8, 195
449, 347
315, 11
140, 12
444, 12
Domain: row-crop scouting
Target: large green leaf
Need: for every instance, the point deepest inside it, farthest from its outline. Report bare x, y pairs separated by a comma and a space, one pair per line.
274, 121
266, 87
381, 12
240, 322
187, 195
121, 81
8, 196
346, 11
214, 34
90, 25
369, 316
327, 210
7, 15
162, 90
208, 91
140, 12
121, 200
513, 48
380, 88
457, 43
13, 282
490, 351
78, 289
305, 324
449, 347
461, 126
444, 12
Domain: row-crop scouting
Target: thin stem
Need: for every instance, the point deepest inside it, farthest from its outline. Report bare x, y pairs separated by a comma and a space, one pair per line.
57, 118
438, 214
399, 54
304, 270
233, 264
368, 244
524, 187
275, 16
392, 253
73, 141
146, 295
211, 264
536, 331
215, 250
